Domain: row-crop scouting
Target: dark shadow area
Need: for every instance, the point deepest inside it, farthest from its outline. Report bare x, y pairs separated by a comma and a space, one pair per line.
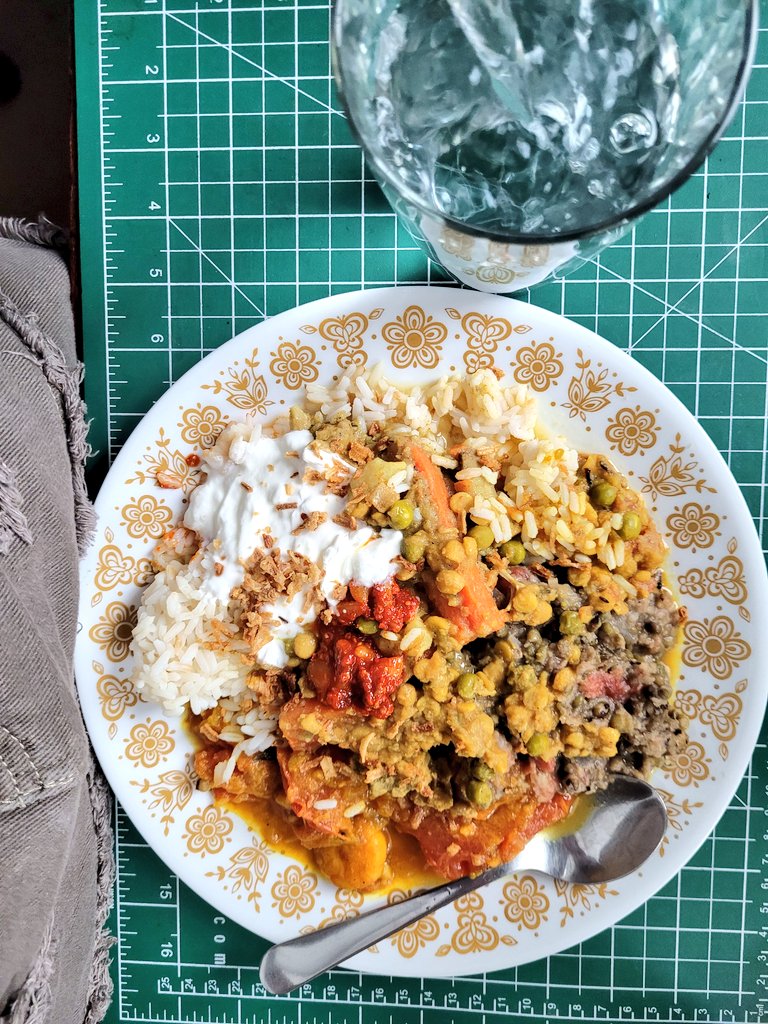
35, 109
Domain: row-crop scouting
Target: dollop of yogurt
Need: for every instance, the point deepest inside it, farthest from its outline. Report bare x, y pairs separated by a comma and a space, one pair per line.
257, 487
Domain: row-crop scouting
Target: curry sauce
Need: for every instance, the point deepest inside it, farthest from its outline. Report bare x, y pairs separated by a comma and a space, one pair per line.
273, 824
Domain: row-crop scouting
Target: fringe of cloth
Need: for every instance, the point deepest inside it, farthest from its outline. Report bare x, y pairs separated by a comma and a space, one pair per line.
67, 383
33, 1003
13, 522
100, 986
39, 232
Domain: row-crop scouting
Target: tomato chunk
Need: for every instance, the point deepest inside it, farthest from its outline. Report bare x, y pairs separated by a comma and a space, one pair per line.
392, 606
350, 609
348, 672
388, 604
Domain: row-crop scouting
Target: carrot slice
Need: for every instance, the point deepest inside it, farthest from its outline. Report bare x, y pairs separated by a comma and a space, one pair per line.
476, 614
437, 488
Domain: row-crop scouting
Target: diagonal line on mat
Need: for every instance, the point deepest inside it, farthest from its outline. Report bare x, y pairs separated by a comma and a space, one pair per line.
698, 284
669, 308
253, 63
216, 267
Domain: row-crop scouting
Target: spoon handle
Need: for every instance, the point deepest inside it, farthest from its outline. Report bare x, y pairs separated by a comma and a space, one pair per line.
296, 961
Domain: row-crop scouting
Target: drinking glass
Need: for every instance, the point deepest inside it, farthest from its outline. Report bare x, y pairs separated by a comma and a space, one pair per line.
515, 138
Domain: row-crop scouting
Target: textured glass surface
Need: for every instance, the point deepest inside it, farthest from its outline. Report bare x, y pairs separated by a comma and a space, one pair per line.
537, 117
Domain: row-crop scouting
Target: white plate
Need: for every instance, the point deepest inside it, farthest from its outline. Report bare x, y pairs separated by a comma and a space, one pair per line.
603, 401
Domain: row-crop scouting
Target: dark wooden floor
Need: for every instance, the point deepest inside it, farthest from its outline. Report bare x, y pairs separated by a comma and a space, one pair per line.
35, 157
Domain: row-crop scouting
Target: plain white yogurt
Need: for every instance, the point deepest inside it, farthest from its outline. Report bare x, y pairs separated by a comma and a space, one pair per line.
232, 519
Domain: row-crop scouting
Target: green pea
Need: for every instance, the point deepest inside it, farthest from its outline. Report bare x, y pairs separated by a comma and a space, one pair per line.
466, 685
400, 514
483, 536
415, 546
571, 624
602, 494
367, 626
513, 551
538, 744
630, 526
482, 771
479, 793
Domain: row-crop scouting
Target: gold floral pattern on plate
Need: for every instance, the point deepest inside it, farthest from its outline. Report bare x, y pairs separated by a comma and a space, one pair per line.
414, 339
149, 743
693, 526
725, 580
474, 932
294, 365
145, 516
591, 390
674, 474
201, 425
714, 645
678, 813
166, 467
208, 831
690, 766
408, 941
242, 386
484, 335
113, 632
347, 903
295, 891
114, 569
632, 431
719, 711
115, 696
526, 903
246, 870
538, 366
346, 334
169, 792
580, 898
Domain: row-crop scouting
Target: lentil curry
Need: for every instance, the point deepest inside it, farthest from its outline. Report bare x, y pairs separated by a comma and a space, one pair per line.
511, 660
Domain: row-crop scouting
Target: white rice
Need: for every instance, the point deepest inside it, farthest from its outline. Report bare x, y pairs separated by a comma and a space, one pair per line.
261, 736
174, 663
477, 405
326, 805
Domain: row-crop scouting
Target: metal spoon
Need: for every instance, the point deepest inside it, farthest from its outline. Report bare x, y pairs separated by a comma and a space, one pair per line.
622, 827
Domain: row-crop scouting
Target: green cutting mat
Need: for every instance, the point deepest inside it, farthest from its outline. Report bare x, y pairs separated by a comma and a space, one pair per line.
219, 184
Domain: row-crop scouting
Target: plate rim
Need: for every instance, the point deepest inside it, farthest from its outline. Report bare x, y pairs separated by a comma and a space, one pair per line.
700, 827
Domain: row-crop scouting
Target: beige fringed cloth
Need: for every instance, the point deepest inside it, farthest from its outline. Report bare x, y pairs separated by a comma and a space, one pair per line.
56, 865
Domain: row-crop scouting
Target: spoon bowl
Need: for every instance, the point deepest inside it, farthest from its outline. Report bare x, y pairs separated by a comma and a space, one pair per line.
608, 835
